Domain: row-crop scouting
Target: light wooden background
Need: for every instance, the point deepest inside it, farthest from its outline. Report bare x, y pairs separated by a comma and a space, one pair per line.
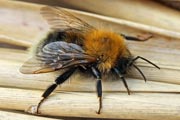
21, 26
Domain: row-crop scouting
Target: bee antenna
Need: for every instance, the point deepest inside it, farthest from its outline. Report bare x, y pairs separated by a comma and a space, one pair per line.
139, 57
139, 70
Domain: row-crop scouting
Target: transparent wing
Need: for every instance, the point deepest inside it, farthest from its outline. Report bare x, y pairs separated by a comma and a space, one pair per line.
61, 20
55, 56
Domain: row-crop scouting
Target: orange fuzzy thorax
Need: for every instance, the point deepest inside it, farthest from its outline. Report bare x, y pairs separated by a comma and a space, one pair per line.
107, 47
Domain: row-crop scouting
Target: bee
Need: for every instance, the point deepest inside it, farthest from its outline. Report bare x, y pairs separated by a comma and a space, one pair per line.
74, 44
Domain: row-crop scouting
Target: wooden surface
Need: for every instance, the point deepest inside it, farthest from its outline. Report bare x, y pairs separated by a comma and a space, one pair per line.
4, 115
86, 104
146, 12
22, 25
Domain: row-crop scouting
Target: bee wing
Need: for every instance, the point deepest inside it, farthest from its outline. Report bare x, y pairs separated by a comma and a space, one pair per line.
61, 20
55, 56
33, 66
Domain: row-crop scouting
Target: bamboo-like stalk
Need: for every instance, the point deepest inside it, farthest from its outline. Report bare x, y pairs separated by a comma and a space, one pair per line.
20, 23
146, 12
10, 66
158, 98
32, 27
78, 82
7, 115
139, 26
116, 105
13, 41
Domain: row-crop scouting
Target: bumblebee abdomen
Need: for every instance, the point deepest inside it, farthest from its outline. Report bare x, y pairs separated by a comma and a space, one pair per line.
69, 37
50, 37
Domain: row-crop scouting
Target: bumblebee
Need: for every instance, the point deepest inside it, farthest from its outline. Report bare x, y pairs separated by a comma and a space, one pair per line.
74, 44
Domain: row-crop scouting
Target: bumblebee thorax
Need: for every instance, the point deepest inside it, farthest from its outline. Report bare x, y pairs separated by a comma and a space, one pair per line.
107, 47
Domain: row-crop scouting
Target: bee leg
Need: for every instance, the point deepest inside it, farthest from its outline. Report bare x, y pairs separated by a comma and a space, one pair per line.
59, 80
139, 57
136, 38
99, 93
123, 79
140, 72
97, 75
46, 94
125, 84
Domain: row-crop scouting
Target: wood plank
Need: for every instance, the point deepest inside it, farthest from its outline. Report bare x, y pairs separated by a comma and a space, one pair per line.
32, 27
146, 12
7, 115
11, 60
158, 98
21, 16
116, 105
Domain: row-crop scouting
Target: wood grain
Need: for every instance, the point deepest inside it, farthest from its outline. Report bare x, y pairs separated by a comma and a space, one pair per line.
32, 27
10, 66
22, 25
19, 24
134, 25
116, 105
7, 115
146, 12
